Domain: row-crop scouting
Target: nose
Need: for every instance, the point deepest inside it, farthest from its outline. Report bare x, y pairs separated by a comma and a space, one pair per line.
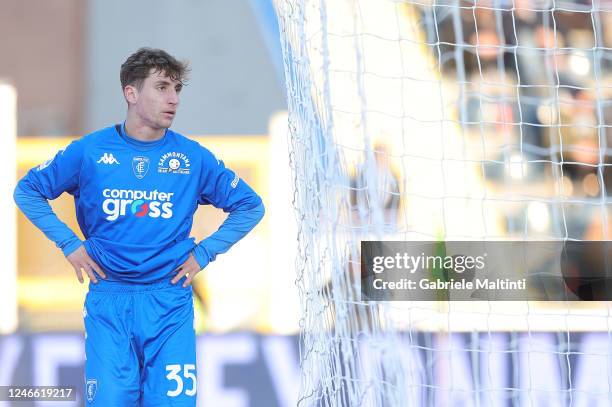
173, 98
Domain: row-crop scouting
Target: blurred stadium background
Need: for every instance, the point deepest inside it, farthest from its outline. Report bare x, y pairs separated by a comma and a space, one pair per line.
449, 120
541, 144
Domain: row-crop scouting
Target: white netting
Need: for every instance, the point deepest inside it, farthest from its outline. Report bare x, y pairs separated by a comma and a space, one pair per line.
447, 120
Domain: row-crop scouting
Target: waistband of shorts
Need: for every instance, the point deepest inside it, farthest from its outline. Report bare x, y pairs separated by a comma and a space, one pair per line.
123, 287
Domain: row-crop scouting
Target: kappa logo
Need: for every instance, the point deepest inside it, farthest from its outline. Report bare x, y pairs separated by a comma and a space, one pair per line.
107, 158
173, 163
91, 387
140, 166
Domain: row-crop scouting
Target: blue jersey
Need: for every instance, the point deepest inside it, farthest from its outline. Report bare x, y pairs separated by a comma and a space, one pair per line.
135, 202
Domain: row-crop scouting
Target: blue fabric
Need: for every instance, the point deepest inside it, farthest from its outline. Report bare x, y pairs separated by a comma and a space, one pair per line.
140, 345
135, 202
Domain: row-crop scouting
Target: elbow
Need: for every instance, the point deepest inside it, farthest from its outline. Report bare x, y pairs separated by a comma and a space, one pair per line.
18, 194
256, 212
249, 212
24, 193
260, 211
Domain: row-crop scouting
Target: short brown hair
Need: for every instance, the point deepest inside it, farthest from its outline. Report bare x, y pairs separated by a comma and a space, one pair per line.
138, 66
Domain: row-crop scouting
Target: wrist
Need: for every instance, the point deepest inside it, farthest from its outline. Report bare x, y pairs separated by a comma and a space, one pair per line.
71, 247
201, 256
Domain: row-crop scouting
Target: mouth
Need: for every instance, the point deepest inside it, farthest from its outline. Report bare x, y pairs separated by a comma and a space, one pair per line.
170, 113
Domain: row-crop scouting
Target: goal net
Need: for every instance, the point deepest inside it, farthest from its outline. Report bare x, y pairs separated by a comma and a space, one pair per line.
444, 121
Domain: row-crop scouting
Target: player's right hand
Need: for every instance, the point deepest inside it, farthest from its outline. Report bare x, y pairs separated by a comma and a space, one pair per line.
80, 260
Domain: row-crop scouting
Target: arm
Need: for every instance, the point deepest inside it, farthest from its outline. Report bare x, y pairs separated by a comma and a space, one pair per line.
224, 190
48, 181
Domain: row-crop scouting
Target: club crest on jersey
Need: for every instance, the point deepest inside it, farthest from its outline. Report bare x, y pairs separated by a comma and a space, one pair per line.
140, 166
174, 163
91, 388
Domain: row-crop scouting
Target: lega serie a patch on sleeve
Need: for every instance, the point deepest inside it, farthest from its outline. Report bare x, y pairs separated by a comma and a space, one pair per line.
235, 182
50, 160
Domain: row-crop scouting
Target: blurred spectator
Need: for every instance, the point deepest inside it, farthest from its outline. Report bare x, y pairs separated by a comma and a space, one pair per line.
380, 181
578, 142
487, 47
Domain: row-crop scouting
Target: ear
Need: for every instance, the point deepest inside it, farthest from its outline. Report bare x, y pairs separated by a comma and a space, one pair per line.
131, 94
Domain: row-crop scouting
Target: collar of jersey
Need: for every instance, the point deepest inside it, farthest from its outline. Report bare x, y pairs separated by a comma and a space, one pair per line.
142, 145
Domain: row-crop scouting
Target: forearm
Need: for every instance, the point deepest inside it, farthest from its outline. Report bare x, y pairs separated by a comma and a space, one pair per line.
237, 225
37, 209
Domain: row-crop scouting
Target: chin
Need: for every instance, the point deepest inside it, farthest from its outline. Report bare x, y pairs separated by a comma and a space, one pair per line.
164, 124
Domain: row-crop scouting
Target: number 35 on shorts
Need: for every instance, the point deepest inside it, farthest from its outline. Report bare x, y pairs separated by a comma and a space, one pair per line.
176, 375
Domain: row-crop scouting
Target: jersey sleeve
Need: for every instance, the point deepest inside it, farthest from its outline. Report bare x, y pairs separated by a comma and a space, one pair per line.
48, 181
223, 189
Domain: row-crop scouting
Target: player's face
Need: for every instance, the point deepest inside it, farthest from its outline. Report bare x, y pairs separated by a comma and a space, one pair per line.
158, 100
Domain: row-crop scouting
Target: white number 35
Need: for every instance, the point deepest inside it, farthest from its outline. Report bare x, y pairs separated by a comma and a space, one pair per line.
188, 373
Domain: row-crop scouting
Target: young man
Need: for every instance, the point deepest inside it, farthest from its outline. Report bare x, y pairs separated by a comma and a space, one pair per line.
136, 187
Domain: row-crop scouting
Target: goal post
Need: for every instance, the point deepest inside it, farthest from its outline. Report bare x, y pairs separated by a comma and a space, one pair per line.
446, 121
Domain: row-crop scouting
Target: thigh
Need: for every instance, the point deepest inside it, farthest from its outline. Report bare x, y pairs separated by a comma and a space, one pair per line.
112, 376
168, 346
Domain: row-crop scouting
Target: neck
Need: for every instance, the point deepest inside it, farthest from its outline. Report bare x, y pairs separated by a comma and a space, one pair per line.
140, 131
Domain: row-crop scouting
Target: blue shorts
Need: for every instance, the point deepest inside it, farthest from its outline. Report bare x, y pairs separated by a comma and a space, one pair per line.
139, 345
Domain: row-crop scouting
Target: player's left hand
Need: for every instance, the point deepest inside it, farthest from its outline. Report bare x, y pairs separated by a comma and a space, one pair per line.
189, 269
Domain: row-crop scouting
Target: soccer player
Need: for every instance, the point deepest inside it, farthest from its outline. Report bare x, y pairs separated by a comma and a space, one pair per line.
136, 186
